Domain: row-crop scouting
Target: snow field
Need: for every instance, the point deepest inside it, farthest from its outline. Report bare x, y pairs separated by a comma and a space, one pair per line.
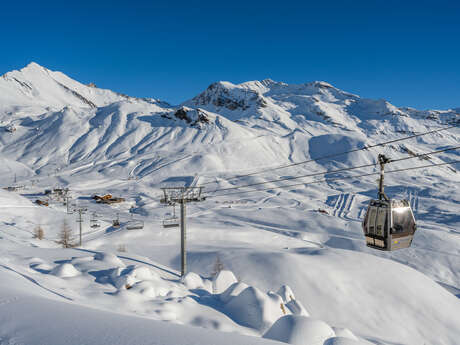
345, 293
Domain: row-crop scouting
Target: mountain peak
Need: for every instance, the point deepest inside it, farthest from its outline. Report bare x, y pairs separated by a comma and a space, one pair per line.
268, 82
35, 85
33, 66
321, 84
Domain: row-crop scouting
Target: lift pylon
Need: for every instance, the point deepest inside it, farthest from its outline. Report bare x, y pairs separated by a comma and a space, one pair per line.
182, 195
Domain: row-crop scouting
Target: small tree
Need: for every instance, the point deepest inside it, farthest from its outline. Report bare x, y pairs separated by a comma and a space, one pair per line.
283, 309
218, 266
65, 236
39, 233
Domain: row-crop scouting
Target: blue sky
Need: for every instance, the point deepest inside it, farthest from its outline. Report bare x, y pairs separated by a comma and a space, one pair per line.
407, 52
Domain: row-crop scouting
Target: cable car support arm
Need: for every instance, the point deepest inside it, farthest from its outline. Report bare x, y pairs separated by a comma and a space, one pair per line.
382, 161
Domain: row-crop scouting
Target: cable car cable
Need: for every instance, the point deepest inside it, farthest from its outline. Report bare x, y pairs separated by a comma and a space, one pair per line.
335, 179
333, 155
336, 171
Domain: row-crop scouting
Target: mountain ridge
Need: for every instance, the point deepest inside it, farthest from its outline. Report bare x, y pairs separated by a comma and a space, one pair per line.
254, 86
50, 121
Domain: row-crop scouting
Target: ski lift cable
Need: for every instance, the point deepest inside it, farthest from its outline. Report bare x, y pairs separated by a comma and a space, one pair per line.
334, 155
421, 155
335, 179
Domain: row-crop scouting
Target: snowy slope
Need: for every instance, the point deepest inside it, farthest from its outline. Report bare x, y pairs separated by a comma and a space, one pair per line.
97, 141
30, 315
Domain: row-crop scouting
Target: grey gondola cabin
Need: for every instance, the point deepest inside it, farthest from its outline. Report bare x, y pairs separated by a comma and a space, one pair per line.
388, 224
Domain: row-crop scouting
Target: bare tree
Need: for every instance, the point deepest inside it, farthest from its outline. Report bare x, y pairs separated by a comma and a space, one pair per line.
218, 266
65, 236
39, 233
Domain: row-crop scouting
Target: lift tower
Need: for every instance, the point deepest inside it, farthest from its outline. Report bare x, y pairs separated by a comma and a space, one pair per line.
182, 195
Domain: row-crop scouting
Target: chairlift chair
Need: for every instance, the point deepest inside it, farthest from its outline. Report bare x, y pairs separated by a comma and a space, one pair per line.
135, 225
389, 224
116, 222
94, 221
173, 221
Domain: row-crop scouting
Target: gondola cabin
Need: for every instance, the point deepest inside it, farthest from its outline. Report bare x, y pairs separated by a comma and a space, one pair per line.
389, 224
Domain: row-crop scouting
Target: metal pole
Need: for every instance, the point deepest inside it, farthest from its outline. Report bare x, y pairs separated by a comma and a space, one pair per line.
80, 221
183, 238
382, 160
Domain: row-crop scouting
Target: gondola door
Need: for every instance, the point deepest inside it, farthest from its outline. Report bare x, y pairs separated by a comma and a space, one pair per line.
376, 224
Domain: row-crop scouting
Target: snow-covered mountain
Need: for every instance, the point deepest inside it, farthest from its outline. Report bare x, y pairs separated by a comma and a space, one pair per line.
35, 85
60, 122
55, 131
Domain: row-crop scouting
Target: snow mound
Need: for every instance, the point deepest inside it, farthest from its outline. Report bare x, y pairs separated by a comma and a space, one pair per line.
35, 261
42, 267
297, 308
300, 330
344, 333
149, 289
234, 290
110, 259
65, 270
286, 293
82, 259
342, 341
222, 281
192, 281
127, 277
255, 309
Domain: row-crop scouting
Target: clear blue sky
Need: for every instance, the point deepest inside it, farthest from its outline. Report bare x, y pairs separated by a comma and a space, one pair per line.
405, 51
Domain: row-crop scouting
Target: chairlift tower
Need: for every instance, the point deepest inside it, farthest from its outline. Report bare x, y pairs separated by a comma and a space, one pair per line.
81, 211
182, 195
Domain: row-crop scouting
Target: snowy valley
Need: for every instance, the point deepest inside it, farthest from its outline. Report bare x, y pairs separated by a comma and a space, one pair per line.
277, 265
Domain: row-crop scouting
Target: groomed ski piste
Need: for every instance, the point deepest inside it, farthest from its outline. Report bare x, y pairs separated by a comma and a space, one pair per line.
281, 265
